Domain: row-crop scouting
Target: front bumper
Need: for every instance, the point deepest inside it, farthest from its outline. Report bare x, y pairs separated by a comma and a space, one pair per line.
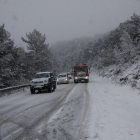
81, 78
62, 82
39, 86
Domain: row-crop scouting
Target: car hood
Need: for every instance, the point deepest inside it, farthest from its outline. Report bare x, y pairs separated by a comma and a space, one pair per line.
40, 79
62, 78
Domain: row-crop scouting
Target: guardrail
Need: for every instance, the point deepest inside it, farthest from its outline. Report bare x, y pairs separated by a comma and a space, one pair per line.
9, 90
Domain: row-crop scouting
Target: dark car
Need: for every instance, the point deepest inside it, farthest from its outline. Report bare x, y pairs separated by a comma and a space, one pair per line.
42, 81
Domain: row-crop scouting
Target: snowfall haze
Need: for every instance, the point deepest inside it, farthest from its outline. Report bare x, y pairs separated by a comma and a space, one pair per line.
64, 19
101, 103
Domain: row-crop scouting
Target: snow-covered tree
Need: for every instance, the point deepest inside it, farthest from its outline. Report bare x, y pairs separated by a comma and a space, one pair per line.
35, 41
7, 58
40, 52
135, 27
122, 52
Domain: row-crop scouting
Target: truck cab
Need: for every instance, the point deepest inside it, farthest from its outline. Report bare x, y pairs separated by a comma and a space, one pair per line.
81, 73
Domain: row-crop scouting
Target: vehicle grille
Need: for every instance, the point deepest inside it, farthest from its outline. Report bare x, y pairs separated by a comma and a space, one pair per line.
38, 82
81, 75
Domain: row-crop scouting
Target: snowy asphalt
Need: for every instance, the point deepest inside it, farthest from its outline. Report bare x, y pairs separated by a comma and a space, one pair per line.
57, 115
98, 110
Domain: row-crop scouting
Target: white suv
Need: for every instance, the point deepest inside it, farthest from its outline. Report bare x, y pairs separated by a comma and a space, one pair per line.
42, 81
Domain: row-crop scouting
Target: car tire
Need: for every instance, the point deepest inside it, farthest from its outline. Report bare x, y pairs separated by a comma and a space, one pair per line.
39, 91
51, 88
32, 91
54, 88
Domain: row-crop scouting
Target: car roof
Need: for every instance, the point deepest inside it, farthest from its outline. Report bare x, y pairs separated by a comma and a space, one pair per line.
43, 72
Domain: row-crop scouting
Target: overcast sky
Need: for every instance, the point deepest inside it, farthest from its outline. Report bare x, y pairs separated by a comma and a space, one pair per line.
64, 19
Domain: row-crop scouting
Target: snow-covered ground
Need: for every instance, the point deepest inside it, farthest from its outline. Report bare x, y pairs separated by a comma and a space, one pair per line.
114, 111
124, 74
99, 110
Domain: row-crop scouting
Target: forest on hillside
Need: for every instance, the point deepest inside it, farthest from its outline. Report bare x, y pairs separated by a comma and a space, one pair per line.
120, 47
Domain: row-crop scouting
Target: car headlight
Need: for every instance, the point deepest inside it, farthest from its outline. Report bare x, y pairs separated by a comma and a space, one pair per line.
57, 80
86, 77
66, 79
75, 77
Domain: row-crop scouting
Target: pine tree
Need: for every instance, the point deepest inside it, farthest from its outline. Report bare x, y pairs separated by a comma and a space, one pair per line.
40, 52
135, 28
7, 58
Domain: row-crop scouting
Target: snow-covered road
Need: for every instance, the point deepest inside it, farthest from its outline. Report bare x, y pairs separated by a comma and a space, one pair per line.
114, 111
98, 110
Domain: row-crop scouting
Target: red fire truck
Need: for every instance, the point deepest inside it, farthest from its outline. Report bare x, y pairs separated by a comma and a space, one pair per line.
80, 73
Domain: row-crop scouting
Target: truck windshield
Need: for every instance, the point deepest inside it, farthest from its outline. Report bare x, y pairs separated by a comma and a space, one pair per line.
42, 75
81, 69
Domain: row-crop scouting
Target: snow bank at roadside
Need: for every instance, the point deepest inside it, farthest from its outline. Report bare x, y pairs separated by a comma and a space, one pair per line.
126, 74
114, 110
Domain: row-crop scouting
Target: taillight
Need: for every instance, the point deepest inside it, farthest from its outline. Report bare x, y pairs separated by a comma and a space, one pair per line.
87, 74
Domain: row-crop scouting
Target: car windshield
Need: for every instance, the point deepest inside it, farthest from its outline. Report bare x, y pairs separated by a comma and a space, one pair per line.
42, 75
81, 69
62, 75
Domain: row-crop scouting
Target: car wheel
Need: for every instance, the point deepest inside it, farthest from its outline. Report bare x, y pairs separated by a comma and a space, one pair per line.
32, 90
39, 90
51, 88
54, 88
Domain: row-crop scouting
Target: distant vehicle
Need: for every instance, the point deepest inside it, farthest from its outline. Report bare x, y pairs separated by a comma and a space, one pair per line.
81, 73
42, 81
69, 75
63, 78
